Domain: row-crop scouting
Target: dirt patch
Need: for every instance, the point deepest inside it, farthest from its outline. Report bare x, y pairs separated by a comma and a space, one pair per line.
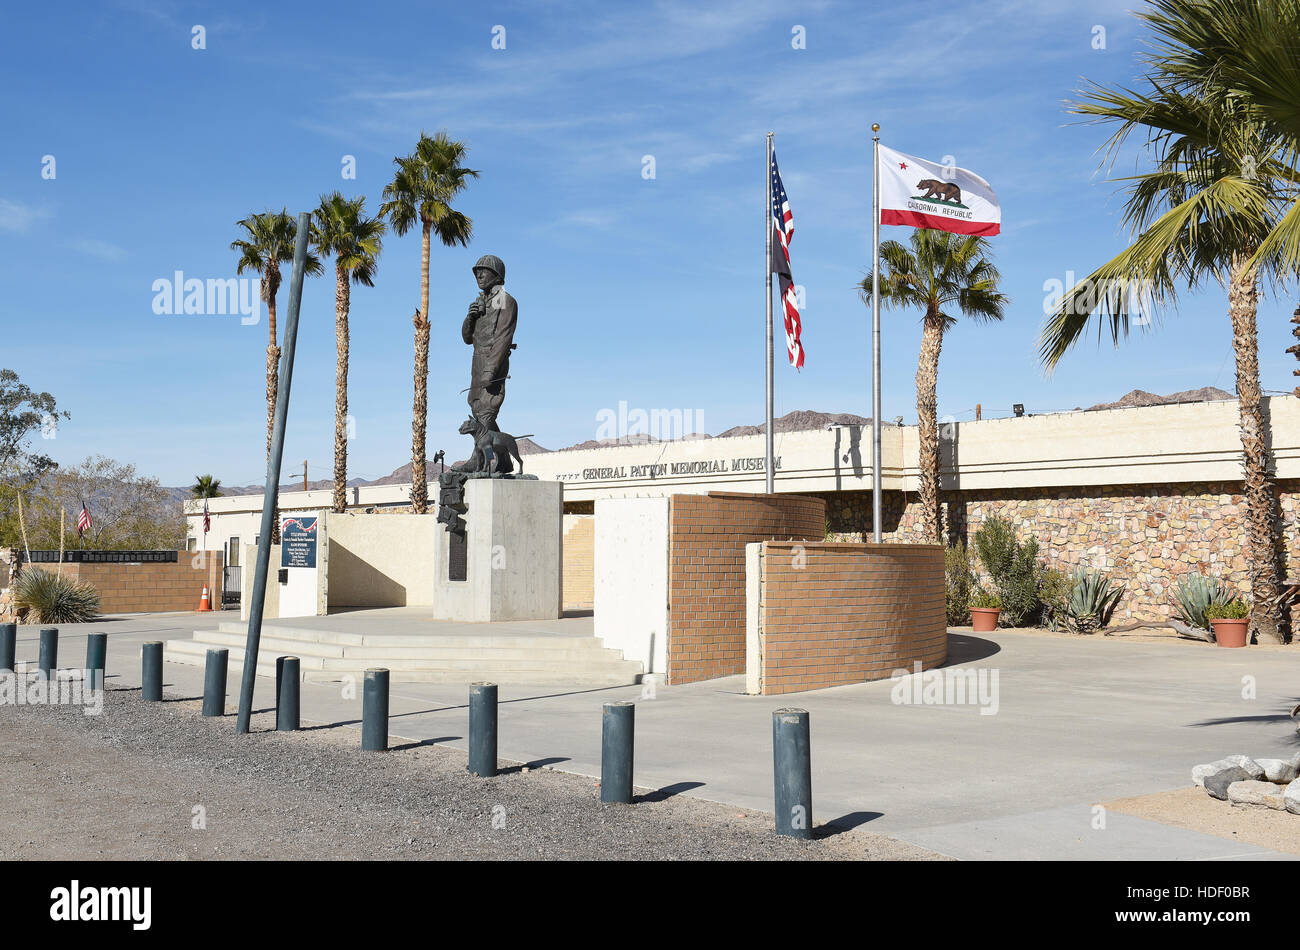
1192, 808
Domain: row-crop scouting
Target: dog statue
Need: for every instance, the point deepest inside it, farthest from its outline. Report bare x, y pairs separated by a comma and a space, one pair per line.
492, 449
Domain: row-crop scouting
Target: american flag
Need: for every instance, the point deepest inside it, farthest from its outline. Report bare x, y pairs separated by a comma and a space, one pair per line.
783, 226
207, 520
83, 520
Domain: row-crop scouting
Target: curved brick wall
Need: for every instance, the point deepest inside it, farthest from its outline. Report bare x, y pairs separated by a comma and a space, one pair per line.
834, 613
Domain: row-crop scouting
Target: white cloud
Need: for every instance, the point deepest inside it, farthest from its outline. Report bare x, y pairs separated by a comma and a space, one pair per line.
96, 248
18, 217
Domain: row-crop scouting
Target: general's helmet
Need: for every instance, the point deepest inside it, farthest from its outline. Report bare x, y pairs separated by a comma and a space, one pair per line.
492, 263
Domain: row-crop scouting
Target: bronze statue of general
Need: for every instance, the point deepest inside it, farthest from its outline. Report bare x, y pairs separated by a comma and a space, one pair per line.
490, 328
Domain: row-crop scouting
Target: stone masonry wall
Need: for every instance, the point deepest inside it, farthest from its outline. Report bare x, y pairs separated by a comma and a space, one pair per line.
1146, 536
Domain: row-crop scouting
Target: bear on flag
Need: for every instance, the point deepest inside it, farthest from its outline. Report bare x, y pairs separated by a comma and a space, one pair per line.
921, 194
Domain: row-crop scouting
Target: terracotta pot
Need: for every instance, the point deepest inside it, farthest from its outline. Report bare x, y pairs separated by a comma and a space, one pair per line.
1230, 633
984, 619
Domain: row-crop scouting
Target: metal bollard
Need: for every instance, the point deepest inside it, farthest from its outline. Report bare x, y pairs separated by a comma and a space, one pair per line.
96, 651
792, 772
214, 682
617, 734
151, 660
279, 678
286, 706
8, 645
483, 729
374, 711
49, 656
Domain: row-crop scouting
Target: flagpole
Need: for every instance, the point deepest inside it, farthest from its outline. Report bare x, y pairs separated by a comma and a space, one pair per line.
770, 460
876, 516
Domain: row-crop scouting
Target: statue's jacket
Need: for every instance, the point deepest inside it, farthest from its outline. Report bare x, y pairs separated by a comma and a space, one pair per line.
491, 334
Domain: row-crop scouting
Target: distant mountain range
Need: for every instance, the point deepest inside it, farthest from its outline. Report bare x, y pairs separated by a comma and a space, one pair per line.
800, 420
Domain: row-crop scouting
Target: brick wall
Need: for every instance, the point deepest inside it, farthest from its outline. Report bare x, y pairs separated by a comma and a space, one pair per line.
833, 613
1145, 536
579, 562
707, 535
151, 587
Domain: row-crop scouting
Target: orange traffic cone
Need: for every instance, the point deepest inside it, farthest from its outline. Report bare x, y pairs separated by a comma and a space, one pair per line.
204, 604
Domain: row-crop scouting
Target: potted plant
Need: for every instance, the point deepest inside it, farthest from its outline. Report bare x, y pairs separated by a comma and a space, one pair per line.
1229, 622
984, 610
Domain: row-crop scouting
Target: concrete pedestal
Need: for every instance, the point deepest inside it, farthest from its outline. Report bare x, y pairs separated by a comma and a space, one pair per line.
512, 553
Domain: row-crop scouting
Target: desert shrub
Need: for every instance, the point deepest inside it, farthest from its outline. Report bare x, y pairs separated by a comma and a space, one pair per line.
995, 543
1232, 610
42, 597
1054, 589
1092, 601
959, 575
1013, 568
1195, 594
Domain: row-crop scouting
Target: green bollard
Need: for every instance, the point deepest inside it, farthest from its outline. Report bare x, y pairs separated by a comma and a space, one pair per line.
8, 645
618, 727
49, 656
374, 711
151, 661
792, 772
214, 682
286, 707
483, 729
96, 651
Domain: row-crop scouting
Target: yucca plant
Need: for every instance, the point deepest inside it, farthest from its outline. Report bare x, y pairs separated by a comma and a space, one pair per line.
42, 597
1195, 594
1092, 601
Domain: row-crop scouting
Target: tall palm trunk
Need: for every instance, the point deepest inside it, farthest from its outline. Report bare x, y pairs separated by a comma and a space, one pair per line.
342, 304
1261, 553
927, 378
419, 482
271, 285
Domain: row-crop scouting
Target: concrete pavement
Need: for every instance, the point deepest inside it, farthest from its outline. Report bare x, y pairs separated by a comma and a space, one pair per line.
1078, 721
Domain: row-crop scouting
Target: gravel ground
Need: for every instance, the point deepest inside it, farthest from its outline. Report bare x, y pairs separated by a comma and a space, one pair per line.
132, 784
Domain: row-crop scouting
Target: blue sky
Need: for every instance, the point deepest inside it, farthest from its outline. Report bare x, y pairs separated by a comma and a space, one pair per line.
630, 289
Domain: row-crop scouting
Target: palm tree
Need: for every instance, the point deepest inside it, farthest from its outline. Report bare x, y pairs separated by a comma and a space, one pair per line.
205, 486
1205, 211
342, 230
422, 189
942, 270
268, 240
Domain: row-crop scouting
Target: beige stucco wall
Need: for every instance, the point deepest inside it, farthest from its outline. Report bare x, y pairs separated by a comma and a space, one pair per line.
381, 560
1184, 443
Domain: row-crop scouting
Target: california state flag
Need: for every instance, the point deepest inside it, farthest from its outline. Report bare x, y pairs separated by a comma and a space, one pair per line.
921, 194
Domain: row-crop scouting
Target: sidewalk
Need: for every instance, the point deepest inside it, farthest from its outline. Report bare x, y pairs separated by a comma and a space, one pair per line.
1078, 722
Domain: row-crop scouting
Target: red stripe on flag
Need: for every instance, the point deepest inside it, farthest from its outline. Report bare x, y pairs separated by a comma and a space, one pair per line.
915, 219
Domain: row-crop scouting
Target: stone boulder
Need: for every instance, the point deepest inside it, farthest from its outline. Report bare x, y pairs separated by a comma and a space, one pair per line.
1281, 771
1291, 797
1257, 793
1253, 769
1217, 783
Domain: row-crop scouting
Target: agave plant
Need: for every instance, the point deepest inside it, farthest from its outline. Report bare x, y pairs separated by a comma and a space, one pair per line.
42, 597
1092, 601
1195, 594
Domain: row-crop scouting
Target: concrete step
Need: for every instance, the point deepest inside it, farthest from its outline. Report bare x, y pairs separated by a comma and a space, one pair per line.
574, 648
235, 634
524, 672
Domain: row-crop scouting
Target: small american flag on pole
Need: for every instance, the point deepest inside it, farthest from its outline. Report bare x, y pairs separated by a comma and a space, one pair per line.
83, 521
783, 225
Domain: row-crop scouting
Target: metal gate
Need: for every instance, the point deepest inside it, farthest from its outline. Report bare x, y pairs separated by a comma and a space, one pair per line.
230, 586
